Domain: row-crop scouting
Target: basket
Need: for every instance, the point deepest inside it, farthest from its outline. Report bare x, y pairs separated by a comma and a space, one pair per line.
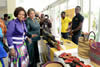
95, 52
83, 47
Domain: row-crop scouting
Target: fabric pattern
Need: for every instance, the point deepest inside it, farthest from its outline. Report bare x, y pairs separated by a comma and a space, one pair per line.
16, 39
21, 59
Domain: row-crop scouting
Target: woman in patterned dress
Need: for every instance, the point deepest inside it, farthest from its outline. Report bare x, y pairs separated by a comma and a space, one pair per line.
16, 34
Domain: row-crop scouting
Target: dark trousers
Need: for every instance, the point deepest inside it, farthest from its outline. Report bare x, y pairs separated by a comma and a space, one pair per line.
75, 37
65, 35
33, 53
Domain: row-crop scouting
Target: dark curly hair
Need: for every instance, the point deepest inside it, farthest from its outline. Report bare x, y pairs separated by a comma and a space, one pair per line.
63, 12
18, 9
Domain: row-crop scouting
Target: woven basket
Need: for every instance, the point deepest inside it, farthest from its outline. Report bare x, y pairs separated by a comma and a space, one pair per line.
83, 48
94, 52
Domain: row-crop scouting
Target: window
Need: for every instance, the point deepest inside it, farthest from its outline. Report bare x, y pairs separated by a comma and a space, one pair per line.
86, 15
72, 3
95, 18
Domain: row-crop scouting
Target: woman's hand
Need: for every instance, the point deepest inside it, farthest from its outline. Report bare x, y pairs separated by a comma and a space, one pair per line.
34, 35
29, 40
12, 52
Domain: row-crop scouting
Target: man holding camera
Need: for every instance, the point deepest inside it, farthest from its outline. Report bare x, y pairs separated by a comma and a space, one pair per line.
46, 23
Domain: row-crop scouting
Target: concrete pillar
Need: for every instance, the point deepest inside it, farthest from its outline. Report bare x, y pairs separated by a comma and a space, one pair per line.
3, 7
11, 5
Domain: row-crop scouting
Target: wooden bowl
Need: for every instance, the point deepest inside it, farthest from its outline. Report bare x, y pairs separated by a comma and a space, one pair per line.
53, 64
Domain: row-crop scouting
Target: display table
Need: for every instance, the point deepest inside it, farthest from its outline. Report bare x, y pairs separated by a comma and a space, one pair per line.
68, 48
74, 53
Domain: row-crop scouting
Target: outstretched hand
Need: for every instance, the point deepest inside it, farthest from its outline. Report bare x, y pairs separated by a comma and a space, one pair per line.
29, 40
34, 35
13, 52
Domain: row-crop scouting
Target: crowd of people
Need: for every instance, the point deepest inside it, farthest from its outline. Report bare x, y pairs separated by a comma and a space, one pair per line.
23, 33
22, 36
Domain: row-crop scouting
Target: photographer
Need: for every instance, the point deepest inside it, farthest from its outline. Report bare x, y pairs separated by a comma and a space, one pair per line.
47, 24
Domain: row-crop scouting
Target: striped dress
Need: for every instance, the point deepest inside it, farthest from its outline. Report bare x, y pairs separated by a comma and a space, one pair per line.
16, 39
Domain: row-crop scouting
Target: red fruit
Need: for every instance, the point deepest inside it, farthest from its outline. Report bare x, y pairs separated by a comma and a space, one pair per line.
72, 57
69, 54
58, 48
65, 54
58, 42
62, 55
65, 57
82, 64
77, 65
76, 60
68, 61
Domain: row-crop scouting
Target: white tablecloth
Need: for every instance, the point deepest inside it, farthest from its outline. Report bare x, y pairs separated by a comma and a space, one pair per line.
74, 53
